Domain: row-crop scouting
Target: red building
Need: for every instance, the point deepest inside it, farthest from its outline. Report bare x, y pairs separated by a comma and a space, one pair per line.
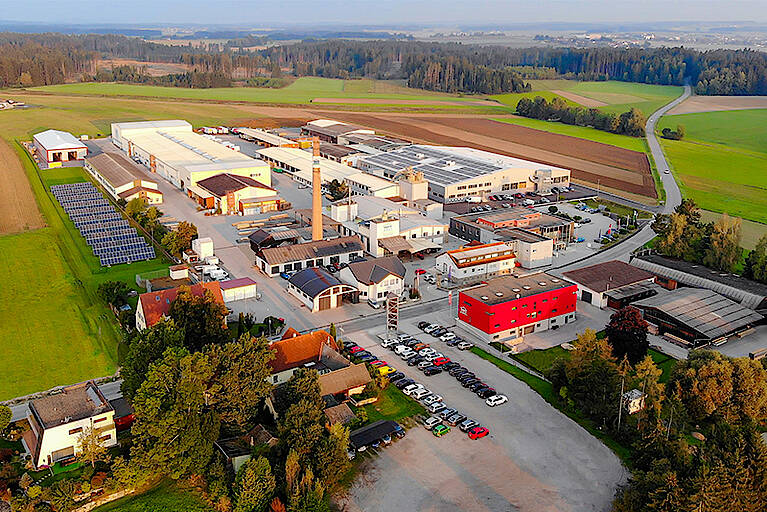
507, 308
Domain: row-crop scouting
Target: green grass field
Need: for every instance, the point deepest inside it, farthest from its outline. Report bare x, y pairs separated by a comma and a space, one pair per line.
393, 404
741, 129
582, 132
166, 497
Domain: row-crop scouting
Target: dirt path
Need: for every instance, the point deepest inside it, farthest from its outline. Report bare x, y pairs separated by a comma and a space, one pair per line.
18, 208
697, 104
582, 100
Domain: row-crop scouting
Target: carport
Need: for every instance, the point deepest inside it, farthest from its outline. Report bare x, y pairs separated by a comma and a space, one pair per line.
372, 433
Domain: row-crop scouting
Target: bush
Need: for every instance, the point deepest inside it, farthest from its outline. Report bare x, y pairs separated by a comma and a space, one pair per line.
553, 209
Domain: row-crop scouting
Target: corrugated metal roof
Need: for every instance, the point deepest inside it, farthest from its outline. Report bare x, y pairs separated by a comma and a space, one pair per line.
56, 139
311, 250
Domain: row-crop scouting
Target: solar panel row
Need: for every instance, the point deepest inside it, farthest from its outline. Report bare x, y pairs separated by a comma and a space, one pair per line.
110, 236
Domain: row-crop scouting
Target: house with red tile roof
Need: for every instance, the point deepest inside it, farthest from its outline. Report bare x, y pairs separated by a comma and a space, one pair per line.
154, 306
317, 350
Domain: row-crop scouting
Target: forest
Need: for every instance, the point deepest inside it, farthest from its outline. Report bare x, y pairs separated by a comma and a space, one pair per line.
43, 59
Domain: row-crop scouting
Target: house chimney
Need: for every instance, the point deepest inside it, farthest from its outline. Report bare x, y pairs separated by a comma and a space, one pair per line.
316, 191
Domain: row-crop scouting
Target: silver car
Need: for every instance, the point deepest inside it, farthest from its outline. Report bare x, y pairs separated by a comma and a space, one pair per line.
431, 422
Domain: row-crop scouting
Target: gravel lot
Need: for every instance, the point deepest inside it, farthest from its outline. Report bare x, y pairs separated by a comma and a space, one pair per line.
536, 459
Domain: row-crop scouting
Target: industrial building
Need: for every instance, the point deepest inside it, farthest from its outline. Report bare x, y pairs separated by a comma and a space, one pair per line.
386, 227
455, 173
337, 152
508, 308
365, 184
53, 147
671, 274
120, 177
697, 317
238, 289
335, 132
182, 157
319, 290
231, 194
298, 163
613, 284
375, 278
274, 260
475, 263
265, 138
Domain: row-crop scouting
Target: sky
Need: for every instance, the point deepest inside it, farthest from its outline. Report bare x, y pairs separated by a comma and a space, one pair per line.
260, 13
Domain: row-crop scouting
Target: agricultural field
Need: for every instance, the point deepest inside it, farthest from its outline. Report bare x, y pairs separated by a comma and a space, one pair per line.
722, 163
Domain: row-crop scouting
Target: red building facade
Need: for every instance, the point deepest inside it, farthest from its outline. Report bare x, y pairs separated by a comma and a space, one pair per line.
507, 308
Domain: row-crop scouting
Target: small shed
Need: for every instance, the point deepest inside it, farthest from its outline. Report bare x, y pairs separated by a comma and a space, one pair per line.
238, 289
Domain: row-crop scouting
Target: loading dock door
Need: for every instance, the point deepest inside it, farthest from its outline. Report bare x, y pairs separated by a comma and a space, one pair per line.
586, 296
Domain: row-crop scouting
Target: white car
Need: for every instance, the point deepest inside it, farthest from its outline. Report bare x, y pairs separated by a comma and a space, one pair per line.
407, 354
420, 393
430, 328
431, 399
431, 422
464, 345
447, 336
429, 279
412, 387
432, 357
426, 352
424, 364
389, 343
497, 400
436, 407
399, 349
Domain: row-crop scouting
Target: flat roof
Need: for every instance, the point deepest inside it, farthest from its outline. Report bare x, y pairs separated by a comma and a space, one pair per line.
705, 311
302, 160
609, 275
512, 214
57, 140
481, 254
373, 432
237, 283
264, 136
336, 150
445, 165
74, 403
504, 289
370, 180
117, 169
522, 234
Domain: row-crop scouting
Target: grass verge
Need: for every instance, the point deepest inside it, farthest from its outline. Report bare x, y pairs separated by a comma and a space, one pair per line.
546, 390
165, 497
393, 404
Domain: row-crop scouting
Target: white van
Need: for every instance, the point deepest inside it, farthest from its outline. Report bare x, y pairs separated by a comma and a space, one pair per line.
473, 199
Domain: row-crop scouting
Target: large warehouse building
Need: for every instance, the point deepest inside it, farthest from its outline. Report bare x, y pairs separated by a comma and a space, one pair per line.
120, 177
172, 150
455, 173
298, 163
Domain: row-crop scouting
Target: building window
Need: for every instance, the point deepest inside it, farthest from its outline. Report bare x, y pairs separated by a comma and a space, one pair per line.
106, 437
75, 431
99, 420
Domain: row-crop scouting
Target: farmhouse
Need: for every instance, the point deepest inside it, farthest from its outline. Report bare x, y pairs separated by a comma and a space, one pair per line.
476, 263
182, 157
697, 317
318, 289
120, 177
57, 421
274, 260
455, 173
375, 278
53, 147
154, 306
507, 308
231, 194
612, 284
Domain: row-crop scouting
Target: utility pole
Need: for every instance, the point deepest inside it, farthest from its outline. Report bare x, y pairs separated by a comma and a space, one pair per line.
620, 404
668, 430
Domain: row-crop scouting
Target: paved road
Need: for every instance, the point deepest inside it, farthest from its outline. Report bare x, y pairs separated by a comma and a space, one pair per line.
673, 195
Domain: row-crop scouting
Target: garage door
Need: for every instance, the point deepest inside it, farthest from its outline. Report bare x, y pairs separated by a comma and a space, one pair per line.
324, 303
586, 296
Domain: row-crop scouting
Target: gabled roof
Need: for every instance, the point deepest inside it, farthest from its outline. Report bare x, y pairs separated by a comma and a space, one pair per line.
56, 139
157, 304
221, 184
236, 283
311, 250
74, 403
136, 190
313, 281
293, 352
340, 413
608, 275
376, 270
341, 381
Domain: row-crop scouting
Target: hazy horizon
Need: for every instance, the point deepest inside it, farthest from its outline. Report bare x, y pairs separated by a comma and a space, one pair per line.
489, 13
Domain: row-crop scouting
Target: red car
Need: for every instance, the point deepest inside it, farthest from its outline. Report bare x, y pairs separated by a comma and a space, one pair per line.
419, 271
440, 361
377, 363
354, 350
478, 433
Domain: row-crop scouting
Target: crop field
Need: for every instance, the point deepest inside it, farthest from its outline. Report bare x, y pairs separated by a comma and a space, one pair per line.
581, 132
722, 163
18, 209
695, 104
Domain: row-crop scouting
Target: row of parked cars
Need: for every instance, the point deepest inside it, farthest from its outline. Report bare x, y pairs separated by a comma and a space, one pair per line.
443, 334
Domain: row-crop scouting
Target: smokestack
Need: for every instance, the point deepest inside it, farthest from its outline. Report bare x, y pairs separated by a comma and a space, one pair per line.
316, 191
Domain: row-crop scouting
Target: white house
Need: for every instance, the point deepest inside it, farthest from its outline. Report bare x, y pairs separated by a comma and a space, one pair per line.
57, 421
476, 262
375, 278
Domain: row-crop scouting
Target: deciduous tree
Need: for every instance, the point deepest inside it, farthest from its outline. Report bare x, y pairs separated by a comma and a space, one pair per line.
627, 334
91, 448
5, 418
304, 384
146, 348
724, 250
756, 262
200, 317
113, 292
301, 426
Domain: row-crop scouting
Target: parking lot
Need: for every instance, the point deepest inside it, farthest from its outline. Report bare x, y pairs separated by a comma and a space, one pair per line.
534, 457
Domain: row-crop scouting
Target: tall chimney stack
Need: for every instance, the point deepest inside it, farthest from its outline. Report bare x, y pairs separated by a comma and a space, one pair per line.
316, 191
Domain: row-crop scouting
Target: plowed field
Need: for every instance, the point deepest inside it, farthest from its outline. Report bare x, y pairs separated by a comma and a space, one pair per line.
18, 209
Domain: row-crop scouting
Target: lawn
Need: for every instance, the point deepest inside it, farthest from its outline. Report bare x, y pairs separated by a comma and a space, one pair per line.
582, 132
664, 362
166, 497
619, 209
742, 129
393, 404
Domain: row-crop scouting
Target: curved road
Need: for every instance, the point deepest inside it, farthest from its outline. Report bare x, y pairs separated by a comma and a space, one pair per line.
673, 195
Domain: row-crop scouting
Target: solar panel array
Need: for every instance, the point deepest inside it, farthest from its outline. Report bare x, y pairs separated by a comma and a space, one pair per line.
437, 166
111, 237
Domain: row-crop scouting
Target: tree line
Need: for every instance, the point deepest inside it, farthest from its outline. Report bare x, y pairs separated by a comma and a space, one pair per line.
631, 122
189, 79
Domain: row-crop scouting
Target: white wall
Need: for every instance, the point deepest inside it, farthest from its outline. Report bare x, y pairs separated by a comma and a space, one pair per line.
59, 438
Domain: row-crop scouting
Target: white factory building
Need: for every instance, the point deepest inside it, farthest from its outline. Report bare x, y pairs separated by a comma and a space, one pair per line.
171, 149
455, 173
365, 184
298, 163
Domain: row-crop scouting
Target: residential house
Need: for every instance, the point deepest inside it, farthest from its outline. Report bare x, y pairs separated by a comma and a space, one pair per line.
376, 277
154, 306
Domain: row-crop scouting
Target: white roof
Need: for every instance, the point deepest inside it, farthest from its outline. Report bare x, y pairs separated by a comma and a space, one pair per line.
55, 139
322, 123
163, 124
370, 180
265, 136
302, 160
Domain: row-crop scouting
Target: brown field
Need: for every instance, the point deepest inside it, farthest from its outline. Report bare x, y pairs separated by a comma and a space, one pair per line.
385, 101
152, 68
696, 104
18, 209
582, 100
589, 161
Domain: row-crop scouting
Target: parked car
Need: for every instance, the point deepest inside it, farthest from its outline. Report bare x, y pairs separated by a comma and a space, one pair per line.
477, 385
464, 345
422, 324
436, 407
412, 387
465, 376
431, 399
440, 430
429, 279
440, 361
467, 425
449, 366
431, 327
394, 377
420, 346
424, 364
355, 349
496, 400
446, 413
399, 431
447, 336
487, 393
432, 370
478, 433
366, 358
375, 444
403, 383
438, 332
418, 394
455, 419
469, 383
458, 370
373, 304
386, 370
377, 363
285, 275
431, 422
414, 360
420, 272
